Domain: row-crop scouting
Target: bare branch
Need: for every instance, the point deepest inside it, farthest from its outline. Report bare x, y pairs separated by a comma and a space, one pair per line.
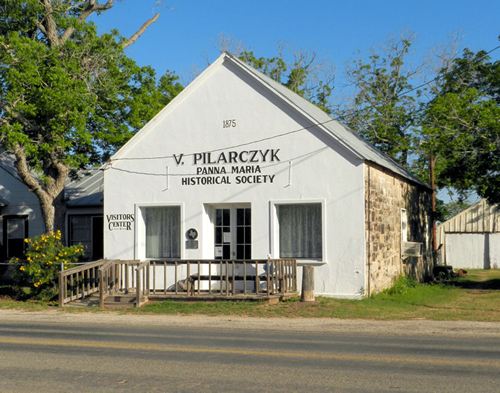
92, 6
139, 32
50, 24
24, 171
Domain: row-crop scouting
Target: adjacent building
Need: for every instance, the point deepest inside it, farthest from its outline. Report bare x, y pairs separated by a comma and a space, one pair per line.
21, 216
471, 239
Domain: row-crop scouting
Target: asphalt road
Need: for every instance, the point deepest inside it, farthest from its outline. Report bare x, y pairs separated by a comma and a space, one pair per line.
40, 356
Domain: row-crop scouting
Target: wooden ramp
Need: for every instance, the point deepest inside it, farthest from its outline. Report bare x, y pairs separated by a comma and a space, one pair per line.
118, 283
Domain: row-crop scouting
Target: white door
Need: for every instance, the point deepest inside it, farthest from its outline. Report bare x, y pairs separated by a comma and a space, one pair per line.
233, 232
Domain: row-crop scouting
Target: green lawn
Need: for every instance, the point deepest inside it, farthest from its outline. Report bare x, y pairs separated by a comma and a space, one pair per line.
473, 297
7, 302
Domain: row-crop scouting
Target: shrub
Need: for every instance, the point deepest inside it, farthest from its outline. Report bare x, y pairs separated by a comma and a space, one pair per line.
401, 286
44, 256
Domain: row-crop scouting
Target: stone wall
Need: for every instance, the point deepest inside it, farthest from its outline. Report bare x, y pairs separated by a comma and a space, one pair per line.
385, 195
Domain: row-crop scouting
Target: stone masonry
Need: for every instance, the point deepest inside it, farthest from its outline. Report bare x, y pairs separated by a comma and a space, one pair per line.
385, 195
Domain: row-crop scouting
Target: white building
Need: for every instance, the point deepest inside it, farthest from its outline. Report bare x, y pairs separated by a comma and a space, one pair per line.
20, 213
21, 216
471, 239
258, 172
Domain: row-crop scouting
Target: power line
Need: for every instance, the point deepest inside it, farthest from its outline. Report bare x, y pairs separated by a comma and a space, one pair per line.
168, 174
442, 75
296, 130
229, 147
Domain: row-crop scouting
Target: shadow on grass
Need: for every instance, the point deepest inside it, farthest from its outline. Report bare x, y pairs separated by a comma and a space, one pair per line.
493, 284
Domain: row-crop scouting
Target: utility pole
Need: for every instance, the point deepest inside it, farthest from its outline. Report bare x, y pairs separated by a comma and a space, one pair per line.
432, 176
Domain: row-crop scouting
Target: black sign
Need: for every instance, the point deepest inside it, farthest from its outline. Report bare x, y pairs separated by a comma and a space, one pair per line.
191, 244
120, 222
192, 234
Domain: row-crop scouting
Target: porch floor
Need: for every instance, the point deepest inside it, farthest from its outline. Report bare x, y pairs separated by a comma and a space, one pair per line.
122, 300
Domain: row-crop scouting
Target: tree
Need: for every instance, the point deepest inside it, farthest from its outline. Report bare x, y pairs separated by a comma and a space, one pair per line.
300, 76
461, 130
68, 97
381, 112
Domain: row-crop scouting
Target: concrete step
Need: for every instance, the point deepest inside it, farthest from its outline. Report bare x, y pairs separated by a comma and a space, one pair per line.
129, 298
122, 300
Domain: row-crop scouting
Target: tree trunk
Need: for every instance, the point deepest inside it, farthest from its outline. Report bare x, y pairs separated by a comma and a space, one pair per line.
48, 211
432, 179
50, 195
60, 213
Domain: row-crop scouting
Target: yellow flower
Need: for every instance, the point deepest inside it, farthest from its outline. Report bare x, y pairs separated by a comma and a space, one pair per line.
22, 268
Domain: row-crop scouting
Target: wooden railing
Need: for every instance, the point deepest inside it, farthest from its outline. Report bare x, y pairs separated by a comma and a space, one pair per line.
104, 276
223, 277
79, 282
142, 283
183, 278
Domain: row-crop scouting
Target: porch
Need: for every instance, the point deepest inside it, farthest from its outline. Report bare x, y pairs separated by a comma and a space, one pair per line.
120, 282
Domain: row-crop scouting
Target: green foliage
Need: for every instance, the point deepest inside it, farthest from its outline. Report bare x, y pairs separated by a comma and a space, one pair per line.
401, 286
382, 114
78, 102
456, 122
300, 76
461, 127
68, 96
45, 254
447, 210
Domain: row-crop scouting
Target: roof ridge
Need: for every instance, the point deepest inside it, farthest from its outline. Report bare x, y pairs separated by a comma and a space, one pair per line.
329, 123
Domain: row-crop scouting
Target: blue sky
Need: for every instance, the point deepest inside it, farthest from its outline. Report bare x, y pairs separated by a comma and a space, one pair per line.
186, 37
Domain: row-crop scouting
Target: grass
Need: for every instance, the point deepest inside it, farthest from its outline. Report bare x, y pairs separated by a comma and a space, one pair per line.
474, 297
6, 302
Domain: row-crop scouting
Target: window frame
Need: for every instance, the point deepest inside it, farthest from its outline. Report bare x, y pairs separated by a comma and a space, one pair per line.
5, 218
140, 230
275, 235
92, 216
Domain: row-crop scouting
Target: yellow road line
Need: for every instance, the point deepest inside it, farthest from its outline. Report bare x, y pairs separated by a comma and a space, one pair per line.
447, 346
312, 355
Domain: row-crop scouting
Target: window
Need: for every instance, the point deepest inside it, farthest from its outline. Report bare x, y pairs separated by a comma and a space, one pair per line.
300, 232
243, 233
15, 230
404, 225
87, 230
80, 233
163, 231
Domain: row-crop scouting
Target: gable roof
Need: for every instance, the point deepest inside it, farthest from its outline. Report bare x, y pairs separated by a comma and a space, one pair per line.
85, 191
333, 128
343, 134
7, 163
481, 217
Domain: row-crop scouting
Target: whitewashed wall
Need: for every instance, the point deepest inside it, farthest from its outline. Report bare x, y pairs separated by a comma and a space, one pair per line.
322, 171
21, 201
473, 250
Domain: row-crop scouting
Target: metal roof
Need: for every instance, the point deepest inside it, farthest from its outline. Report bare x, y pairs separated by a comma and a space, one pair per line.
344, 135
478, 218
86, 190
7, 163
